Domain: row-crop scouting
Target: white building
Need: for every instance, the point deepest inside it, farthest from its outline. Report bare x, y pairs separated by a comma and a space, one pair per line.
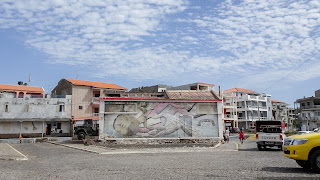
32, 114
251, 106
229, 107
309, 111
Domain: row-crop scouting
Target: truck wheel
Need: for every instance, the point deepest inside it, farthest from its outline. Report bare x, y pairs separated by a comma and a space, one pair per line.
259, 147
304, 164
315, 161
81, 135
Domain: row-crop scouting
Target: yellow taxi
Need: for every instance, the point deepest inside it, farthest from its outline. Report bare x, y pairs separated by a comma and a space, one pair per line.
305, 149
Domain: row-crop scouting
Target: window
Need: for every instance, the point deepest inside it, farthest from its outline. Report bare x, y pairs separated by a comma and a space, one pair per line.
6, 108
80, 107
61, 108
308, 103
59, 126
96, 110
302, 104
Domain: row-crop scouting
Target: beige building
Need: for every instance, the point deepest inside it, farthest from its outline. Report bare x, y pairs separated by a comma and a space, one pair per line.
85, 97
280, 112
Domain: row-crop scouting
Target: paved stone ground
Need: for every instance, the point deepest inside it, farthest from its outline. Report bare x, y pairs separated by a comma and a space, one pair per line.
7, 152
49, 161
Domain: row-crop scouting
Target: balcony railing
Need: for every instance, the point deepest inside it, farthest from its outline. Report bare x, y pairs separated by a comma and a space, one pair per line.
57, 96
253, 97
310, 118
229, 116
310, 107
36, 96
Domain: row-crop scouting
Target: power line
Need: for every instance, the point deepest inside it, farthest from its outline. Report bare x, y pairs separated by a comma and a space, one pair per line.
292, 71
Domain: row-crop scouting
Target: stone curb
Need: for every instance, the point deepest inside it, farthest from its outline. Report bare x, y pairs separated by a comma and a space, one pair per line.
73, 147
134, 151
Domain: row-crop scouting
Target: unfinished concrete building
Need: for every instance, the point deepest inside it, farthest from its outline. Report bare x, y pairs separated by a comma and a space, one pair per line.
309, 111
24, 110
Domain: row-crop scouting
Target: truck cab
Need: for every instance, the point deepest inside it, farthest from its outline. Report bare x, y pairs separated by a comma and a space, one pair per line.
305, 149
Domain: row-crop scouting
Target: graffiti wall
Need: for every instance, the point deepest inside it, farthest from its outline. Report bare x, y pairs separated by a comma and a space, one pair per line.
155, 120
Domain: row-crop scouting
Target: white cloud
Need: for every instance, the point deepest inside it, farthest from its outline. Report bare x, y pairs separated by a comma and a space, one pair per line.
159, 39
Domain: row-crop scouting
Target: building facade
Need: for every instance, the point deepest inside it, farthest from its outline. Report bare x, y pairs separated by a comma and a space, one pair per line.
251, 106
85, 98
309, 111
280, 112
169, 114
33, 114
230, 117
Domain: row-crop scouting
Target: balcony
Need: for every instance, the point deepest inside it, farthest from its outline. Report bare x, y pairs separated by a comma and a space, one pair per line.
316, 118
229, 116
310, 107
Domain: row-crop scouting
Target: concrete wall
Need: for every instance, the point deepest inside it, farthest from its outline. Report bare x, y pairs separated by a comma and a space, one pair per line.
160, 119
34, 108
30, 116
64, 87
317, 93
31, 129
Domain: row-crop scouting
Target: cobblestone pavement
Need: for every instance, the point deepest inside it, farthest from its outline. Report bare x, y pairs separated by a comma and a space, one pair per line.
7, 152
49, 161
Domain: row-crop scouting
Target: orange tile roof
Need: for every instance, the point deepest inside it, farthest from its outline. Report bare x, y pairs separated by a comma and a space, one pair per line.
276, 101
95, 84
239, 90
7, 87
205, 84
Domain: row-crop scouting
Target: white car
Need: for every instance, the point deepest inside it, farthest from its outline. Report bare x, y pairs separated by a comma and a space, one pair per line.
304, 132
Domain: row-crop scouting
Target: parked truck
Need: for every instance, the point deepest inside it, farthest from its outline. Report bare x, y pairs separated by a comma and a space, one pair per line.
269, 134
87, 129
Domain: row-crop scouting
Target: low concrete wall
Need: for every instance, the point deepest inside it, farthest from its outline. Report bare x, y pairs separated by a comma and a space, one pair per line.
159, 142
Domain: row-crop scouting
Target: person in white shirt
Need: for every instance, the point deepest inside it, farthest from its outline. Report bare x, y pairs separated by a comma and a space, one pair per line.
227, 134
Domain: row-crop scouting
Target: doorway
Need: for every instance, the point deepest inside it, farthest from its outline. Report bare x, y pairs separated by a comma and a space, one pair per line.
48, 130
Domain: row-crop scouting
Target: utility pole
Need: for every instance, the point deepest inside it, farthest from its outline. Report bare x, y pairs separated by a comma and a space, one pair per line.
258, 112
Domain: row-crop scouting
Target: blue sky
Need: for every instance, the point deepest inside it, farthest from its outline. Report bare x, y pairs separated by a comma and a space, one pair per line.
132, 43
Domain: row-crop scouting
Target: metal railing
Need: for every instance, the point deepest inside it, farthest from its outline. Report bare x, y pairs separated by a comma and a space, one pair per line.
57, 96
309, 118
36, 96
310, 107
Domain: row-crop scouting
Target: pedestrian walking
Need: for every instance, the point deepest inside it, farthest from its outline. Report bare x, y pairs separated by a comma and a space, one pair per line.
241, 136
227, 135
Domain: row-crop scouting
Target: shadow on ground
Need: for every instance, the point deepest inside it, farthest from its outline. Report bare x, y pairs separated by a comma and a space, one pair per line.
286, 170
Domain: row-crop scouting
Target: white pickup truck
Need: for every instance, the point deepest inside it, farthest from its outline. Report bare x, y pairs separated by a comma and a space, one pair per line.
269, 134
